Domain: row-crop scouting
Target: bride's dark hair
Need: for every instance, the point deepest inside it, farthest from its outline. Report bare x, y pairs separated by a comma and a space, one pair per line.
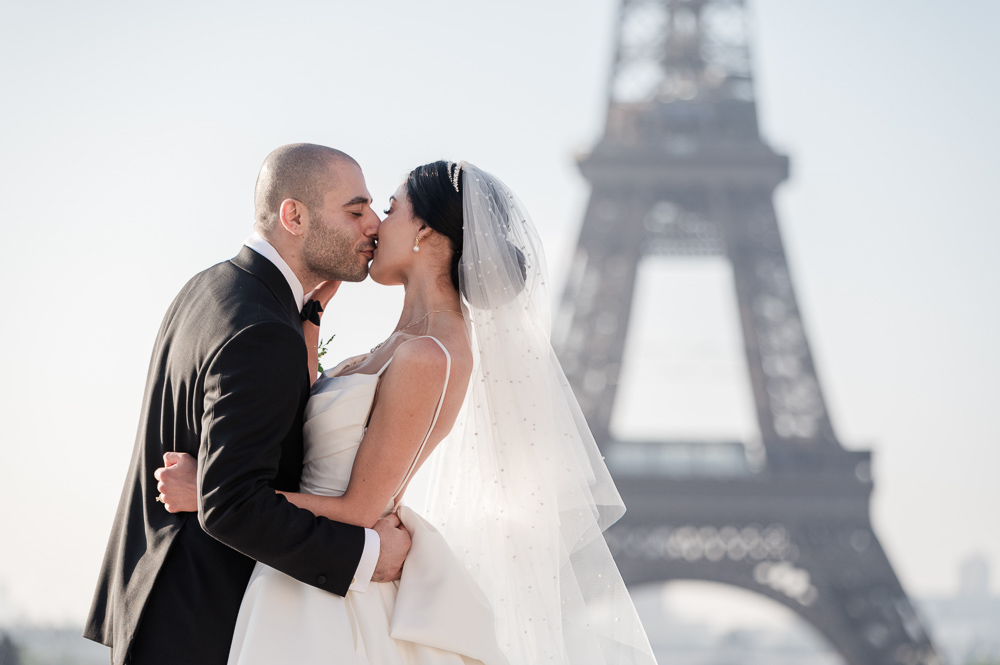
435, 201
437, 204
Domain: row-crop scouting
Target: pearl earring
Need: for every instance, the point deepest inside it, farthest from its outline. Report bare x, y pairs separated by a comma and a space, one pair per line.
416, 244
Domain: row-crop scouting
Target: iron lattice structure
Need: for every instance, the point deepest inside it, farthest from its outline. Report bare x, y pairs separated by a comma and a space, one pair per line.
682, 170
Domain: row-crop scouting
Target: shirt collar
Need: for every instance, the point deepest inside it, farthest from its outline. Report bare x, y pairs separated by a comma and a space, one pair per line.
257, 243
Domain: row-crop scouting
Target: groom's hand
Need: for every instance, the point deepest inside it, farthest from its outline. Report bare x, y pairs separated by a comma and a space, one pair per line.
394, 544
177, 483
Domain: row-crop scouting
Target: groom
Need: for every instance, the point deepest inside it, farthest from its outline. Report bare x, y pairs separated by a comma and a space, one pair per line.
228, 383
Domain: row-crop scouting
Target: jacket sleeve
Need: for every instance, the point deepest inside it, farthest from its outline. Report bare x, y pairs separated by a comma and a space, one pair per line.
253, 389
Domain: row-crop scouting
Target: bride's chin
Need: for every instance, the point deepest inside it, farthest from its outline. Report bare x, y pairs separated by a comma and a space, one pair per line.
376, 275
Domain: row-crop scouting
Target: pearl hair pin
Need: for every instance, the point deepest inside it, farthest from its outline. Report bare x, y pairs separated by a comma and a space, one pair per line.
453, 173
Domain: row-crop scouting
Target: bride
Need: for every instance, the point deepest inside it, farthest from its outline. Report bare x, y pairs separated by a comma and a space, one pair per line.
509, 564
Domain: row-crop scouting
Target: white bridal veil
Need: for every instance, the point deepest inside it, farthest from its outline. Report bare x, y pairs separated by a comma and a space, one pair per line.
520, 489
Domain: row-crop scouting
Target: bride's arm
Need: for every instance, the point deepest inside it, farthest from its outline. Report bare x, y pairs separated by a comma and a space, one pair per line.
311, 332
323, 293
407, 399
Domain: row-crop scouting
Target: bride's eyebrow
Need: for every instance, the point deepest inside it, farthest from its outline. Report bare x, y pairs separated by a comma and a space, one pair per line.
358, 200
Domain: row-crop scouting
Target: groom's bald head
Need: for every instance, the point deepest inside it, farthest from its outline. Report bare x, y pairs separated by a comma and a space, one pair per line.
300, 171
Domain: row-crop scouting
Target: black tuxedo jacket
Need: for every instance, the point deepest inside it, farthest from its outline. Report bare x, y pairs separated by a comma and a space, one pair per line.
228, 382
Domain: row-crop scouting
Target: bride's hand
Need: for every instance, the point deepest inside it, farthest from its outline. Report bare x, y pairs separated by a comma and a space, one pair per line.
324, 292
177, 483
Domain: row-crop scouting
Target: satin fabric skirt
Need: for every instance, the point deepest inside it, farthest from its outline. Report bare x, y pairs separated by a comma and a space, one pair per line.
286, 621
435, 615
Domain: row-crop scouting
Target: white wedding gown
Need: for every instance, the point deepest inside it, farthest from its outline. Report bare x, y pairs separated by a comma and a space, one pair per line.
435, 615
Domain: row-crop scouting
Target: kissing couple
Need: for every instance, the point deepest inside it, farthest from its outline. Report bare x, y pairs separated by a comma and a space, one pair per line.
262, 520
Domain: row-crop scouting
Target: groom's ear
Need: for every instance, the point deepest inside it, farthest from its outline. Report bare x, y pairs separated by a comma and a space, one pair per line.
294, 217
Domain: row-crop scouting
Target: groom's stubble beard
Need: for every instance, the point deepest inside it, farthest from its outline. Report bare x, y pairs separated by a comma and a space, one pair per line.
332, 253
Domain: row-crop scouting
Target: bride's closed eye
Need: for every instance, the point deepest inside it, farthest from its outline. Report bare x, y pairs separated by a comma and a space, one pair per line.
387, 211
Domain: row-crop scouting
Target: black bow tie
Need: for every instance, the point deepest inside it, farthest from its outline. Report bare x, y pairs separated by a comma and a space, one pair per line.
310, 312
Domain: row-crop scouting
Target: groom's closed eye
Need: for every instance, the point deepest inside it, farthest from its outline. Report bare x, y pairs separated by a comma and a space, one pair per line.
360, 203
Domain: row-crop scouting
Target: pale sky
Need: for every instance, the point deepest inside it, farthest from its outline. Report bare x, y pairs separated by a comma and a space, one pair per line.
132, 133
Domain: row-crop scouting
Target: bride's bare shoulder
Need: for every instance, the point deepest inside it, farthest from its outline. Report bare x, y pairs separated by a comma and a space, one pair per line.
426, 354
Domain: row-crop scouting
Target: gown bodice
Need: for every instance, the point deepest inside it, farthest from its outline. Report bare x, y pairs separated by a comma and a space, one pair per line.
335, 420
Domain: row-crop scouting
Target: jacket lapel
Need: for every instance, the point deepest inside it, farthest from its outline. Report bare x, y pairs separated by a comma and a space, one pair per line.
268, 273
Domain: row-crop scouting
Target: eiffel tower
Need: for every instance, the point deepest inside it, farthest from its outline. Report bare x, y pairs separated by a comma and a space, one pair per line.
683, 171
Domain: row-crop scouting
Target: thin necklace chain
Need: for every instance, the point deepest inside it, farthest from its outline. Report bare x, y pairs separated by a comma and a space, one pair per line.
436, 311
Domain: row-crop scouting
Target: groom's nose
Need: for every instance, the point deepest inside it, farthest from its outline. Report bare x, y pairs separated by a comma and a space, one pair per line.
370, 223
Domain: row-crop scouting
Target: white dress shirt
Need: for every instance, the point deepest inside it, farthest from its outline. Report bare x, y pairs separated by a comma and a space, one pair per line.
369, 556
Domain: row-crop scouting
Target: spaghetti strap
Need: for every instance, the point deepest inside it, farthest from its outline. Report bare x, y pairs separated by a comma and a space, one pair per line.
383, 368
437, 412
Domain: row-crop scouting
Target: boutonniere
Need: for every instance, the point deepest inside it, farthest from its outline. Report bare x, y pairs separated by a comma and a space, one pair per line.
321, 351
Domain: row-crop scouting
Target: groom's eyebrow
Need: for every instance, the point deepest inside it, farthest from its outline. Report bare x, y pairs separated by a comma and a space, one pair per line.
356, 200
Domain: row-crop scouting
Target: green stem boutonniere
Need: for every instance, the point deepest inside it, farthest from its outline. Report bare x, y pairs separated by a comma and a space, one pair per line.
321, 351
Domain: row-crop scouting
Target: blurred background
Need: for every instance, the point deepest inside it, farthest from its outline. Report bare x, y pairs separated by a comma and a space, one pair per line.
132, 135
